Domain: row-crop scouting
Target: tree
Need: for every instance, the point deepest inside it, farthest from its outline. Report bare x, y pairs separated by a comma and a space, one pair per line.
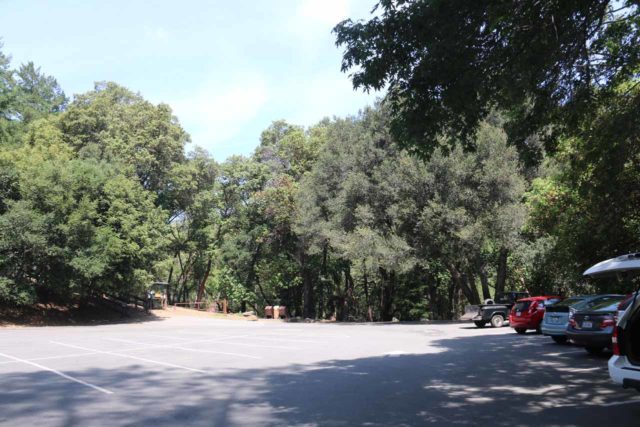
39, 94
587, 207
75, 226
114, 124
448, 64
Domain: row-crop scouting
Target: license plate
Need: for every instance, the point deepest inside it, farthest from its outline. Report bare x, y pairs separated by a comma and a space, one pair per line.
518, 313
555, 320
587, 324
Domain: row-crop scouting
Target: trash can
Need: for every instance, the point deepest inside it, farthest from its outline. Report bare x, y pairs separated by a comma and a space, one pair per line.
280, 312
268, 312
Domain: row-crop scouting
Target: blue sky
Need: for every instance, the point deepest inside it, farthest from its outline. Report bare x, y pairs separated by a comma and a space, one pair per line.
228, 68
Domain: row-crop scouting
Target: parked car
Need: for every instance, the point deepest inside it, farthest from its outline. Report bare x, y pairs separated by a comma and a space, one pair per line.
624, 365
527, 313
593, 327
556, 317
497, 313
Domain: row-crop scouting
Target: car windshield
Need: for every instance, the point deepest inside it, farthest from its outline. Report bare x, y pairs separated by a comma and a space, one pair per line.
606, 304
522, 305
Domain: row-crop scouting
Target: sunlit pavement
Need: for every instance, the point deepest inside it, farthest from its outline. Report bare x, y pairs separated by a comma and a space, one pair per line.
191, 371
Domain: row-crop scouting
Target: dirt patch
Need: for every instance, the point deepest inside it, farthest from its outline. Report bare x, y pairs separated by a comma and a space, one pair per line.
59, 315
186, 312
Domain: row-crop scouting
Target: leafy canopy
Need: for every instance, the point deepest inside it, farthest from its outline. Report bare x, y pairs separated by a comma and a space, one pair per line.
447, 64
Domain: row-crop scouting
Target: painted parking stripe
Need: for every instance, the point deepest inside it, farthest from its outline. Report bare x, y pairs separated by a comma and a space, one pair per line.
128, 356
286, 340
62, 374
277, 347
197, 350
64, 356
150, 346
179, 346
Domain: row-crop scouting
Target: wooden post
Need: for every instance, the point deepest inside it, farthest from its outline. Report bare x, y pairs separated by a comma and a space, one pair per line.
224, 306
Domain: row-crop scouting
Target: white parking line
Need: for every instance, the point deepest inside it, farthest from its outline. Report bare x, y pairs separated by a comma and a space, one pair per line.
36, 359
150, 346
196, 350
62, 374
179, 346
277, 347
288, 340
167, 337
297, 334
189, 341
127, 356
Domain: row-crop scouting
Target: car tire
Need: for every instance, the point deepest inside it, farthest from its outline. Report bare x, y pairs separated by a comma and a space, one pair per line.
497, 321
539, 330
521, 331
480, 323
594, 350
559, 339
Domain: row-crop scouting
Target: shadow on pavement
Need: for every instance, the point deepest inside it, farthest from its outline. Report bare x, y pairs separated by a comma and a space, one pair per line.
497, 380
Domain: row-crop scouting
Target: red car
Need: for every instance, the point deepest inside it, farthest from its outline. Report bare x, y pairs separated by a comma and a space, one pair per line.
527, 313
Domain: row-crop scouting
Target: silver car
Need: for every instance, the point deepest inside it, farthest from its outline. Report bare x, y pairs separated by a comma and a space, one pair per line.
556, 316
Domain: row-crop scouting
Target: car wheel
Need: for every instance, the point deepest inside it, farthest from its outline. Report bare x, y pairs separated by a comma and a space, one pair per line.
497, 321
521, 331
480, 324
594, 350
560, 339
539, 330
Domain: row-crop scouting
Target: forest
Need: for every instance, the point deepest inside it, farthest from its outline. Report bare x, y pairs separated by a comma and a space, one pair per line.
504, 156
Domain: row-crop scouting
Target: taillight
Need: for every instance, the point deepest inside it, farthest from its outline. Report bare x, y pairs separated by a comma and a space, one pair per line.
614, 341
607, 322
572, 322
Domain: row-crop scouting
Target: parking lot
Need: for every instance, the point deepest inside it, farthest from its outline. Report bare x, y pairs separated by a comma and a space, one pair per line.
197, 371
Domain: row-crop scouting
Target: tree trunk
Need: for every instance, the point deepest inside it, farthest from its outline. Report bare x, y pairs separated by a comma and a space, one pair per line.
484, 280
502, 272
203, 282
462, 283
366, 294
321, 288
169, 296
473, 287
348, 293
251, 273
307, 287
454, 297
386, 295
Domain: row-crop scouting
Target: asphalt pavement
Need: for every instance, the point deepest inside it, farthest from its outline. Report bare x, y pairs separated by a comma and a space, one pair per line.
197, 371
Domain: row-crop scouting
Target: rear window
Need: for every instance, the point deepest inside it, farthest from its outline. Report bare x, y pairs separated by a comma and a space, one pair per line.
568, 302
522, 305
609, 303
599, 301
550, 301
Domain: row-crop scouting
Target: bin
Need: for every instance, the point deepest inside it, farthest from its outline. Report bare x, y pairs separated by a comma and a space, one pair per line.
268, 312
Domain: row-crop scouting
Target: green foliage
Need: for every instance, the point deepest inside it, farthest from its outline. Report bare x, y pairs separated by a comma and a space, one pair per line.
448, 64
590, 206
112, 123
341, 220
